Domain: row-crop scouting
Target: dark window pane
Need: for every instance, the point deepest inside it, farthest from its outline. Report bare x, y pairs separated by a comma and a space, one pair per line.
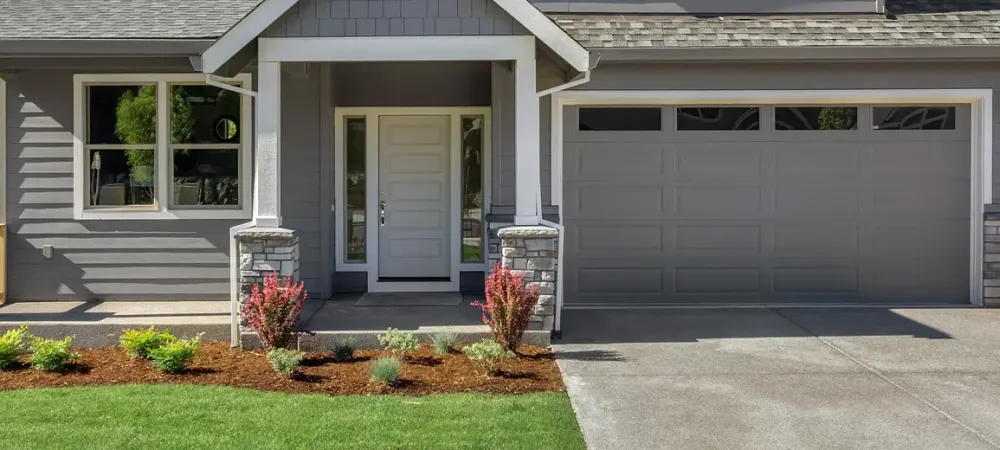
355, 189
121, 177
818, 118
121, 114
472, 189
204, 115
914, 118
620, 119
718, 119
206, 177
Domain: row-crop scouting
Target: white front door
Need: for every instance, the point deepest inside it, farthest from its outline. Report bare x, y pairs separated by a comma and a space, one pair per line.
413, 220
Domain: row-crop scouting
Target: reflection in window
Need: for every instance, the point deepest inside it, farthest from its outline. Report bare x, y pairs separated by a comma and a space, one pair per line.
472, 188
205, 146
620, 119
354, 216
718, 119
206, 177
914, 118
818, 118
120, 145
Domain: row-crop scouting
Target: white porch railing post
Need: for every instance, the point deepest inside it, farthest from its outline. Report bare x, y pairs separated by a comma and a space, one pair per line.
527, 159
267, 158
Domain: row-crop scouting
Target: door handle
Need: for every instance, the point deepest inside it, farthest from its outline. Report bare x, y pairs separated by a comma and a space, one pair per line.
381, 213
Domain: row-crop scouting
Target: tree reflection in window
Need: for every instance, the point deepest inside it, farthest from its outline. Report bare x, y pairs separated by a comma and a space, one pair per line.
815, 118
354, 188
472, 188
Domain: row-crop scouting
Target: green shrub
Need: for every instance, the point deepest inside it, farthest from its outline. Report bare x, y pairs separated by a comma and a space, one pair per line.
344, 350
386, 370
398, 341
139, 342
174, 357
13, 344
487, 354
285, 361
444, 341
51, 355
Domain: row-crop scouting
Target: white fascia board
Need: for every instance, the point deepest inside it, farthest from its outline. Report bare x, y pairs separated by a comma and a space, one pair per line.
243, 33
395, 48
548, 32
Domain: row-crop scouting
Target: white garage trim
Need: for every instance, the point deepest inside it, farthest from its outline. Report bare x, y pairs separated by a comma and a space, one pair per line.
980, 100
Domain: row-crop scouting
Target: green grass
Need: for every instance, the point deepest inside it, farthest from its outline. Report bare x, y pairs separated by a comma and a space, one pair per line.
198, 417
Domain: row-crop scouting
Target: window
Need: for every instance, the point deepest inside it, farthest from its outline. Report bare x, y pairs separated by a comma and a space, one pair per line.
472, 188
815, 118
354, 180
160, 146
718, 119
120, 146
913, 118
620, 119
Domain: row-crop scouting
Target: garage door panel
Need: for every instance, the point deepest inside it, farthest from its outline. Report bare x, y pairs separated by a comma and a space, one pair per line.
814, 158
599, 161
719, 201
856, 216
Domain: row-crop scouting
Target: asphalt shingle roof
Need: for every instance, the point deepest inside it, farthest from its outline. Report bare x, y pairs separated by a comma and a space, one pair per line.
908, 23
120, 19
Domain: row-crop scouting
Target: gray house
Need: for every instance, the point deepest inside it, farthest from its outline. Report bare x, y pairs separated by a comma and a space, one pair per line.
620, 153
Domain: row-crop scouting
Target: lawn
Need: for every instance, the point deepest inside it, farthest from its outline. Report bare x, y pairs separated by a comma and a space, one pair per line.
186, 416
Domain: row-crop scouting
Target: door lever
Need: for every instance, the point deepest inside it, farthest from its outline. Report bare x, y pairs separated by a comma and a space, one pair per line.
381, 213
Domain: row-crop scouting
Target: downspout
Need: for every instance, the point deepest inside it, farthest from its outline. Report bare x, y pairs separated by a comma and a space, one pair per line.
558, 226
234, 256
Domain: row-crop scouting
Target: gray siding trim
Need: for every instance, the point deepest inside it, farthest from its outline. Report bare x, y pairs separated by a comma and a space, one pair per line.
114, 47
335, 18
327, 242
400, 84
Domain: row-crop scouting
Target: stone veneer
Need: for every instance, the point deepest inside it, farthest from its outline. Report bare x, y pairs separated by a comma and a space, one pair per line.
533, 251
266, 250
991, 260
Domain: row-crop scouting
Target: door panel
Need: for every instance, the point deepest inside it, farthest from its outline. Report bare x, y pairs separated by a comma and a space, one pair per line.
413, 187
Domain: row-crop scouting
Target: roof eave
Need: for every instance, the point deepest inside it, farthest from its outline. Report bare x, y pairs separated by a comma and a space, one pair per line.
102, 47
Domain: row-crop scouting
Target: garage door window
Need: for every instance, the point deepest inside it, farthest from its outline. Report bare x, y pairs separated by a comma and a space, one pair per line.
815, 118
620, 119
718, 119
914, 118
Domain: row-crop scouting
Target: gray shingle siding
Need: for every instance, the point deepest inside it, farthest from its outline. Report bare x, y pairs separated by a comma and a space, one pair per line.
311, 18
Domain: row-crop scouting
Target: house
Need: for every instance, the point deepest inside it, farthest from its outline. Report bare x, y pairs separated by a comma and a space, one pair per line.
622, 154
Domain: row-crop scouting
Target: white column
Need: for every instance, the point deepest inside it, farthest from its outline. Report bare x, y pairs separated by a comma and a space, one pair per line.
527, 159
267, 158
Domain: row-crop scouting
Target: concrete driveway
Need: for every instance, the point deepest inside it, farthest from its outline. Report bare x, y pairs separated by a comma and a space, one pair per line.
784, 378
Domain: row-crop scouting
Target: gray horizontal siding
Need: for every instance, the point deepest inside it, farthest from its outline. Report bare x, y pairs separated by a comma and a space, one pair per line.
113, 260
310, 18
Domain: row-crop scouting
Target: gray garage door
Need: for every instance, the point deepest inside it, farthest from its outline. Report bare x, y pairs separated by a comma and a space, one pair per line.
866, 204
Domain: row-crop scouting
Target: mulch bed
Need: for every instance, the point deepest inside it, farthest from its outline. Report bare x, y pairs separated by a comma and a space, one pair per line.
534, 370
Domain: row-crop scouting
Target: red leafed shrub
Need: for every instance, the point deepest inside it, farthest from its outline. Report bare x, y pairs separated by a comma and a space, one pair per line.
508, 306
273, 313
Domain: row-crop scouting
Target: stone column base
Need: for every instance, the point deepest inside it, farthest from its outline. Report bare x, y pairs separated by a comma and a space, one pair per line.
533, 251
991, 260
263, 251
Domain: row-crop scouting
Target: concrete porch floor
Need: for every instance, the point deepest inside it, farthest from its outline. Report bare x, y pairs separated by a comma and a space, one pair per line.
340, 314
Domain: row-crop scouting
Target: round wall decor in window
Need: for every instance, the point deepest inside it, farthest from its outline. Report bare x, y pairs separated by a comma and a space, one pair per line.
226, 129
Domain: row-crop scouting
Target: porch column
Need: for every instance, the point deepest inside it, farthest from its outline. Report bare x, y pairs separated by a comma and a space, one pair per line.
267, 158
527, 157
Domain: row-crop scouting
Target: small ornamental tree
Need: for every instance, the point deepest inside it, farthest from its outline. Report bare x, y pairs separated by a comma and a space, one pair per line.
273, 312
508, 306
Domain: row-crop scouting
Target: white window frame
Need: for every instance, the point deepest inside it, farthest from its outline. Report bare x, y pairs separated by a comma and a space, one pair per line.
162, 206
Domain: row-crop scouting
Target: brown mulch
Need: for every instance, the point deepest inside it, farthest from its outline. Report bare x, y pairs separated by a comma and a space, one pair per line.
533, 370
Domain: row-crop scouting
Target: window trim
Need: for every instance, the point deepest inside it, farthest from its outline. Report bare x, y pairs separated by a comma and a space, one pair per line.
162, 206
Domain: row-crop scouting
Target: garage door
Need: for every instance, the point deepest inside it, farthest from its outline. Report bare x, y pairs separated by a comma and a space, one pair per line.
767, 204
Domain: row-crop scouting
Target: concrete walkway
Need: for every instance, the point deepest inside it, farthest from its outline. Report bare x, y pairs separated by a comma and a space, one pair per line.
784, 378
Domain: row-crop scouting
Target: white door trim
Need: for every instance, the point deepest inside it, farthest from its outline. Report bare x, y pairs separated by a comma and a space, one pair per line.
980, 100
371, 115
